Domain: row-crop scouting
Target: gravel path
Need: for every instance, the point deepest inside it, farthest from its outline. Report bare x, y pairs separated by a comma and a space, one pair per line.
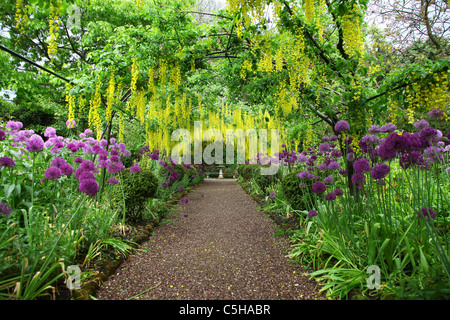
224, 249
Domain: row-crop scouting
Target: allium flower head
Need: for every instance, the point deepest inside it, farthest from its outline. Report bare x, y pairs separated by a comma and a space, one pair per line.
374, 129
324, 147
5, 208
89, 187
361, 165
115, 167
428, 213
358, 178
35, 143
428, 136
2, 135
331, 196
7, 162
433, 154
78, 160
380, 171
66, 169
338, 192
113, 180
135, 168
312, 214
165, 185
273, 195
342, 125
334, 165
421, 124
88, 165
53, 173
388, 128
328, 180
319, 187
435, 113
58, 162
70, 124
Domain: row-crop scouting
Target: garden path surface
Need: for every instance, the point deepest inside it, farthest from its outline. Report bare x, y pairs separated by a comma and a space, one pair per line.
224, 249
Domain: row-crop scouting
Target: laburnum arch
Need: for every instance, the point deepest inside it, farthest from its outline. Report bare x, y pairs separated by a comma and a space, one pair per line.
315, 53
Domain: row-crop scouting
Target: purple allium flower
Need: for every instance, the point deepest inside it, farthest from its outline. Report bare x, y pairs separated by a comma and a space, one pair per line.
336, 154
5, 208
113, 180
374, 129
312, 214
319, 187
89, 187
304, 175
88, 132
334, 165
85, 175
35, 144
302, 158
70, 124
273, 195
184, 200
368, 143
165, 185
351, 157
115, 167
342, 125
447, 170
87, 165
135, 168
58, 162
78, 160
66, 169
2, 135
429, 213
358, 178
324, 147
50, 132
338, 192
115, 159
14, 125
428, 136
154, 156
180, 187
302, 185
328, 180
433, 154
361, 165
331, 196
7, 162
322, 167
388, 128
53, 173
380, 171
391, 146
162, 163
435, 113
421, 124
343, 172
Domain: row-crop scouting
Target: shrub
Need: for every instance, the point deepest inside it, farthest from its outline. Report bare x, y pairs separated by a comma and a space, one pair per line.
134, 189
298, 198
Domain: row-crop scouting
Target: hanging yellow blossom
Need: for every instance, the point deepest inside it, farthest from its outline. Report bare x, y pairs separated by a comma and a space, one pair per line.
54, 22
110, 95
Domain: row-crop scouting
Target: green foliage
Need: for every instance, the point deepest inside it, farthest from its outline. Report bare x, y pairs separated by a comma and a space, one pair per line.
298, 198
133, 192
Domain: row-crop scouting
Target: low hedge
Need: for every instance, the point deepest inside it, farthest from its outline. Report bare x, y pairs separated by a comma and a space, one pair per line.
135, 189
298, 198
